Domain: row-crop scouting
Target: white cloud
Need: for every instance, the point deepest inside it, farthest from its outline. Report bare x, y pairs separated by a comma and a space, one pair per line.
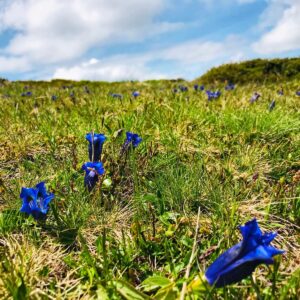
9, 64
114, 69
189, 56
284, 35
53, 31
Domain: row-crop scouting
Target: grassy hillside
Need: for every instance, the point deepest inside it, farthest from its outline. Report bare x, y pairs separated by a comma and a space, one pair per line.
255, 71
132, 237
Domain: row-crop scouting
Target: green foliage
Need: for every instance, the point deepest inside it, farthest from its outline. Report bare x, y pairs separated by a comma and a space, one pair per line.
254, 71
132, 237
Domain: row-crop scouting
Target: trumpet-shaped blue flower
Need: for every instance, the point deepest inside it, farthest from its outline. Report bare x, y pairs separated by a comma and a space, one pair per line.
92, 172
272, 105
53, 98
36, 201
196, 87
298, 93
240, 261
96, 142
131, 139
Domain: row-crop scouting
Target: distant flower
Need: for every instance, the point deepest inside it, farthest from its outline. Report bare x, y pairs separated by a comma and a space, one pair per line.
280, 92
198, 87
87, 90
53, 97
298, 93
28, 94
213, 95
72, 95
135, 94
255, 97
183, 88
229, 87
131, 139
96, 142
92, 172
36, 201
118, 96
174, 90
272, 105
241, 260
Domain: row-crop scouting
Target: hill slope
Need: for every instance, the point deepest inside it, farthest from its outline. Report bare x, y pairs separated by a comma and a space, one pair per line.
257, 70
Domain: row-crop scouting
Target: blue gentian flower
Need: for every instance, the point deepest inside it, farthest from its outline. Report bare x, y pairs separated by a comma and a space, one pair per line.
198, 87
183, 88
53, 97
229, 87
36, 201
280, 92
96, 142
174, 90
118, 96
131, 139
28, 94
255, 97
135, 94
272, 105
213, 95
92, 172
72, 95
298, 93
240, 261
87, 90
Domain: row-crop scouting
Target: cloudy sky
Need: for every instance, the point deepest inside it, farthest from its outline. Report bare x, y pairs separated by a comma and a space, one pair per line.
140, 39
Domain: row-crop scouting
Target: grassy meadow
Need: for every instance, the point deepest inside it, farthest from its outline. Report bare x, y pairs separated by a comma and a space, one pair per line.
216, 164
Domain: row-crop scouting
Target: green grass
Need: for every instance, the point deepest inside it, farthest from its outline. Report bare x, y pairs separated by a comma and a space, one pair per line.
134, 239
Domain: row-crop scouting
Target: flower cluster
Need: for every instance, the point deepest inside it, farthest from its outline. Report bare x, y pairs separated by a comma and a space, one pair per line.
35, 201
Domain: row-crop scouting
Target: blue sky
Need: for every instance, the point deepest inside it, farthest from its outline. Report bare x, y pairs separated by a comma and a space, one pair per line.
140, 39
